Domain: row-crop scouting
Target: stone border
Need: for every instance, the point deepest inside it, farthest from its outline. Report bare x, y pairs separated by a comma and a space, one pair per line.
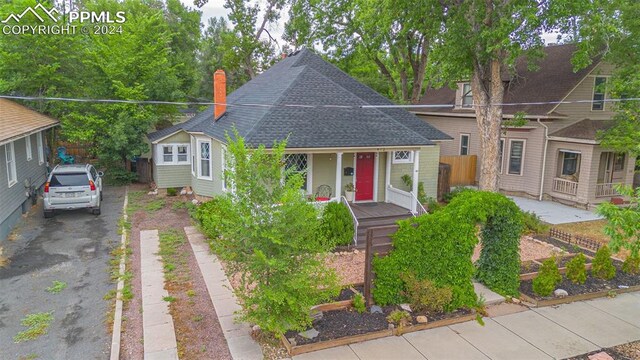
117, 315
239, 340
579, 297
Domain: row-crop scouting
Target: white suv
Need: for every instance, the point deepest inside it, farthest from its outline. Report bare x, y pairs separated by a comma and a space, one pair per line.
77, 186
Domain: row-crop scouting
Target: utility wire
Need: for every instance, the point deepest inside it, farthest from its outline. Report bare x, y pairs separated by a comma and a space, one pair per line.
394, 106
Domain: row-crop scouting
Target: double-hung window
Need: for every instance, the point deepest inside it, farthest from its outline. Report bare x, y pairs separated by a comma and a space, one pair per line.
570, 163
403, 157
516, 157
501, 155
40, 148
204, 159
464, 144
467, 96
10, 155
27, 141
174, 154
599, 85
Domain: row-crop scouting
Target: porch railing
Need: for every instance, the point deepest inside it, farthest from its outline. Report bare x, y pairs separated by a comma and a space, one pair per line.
419, 209
399, 197
565, 186
343, 200
606, 189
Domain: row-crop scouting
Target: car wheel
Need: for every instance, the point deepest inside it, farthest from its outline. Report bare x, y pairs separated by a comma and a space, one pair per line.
100, 195
48, 214
96, 211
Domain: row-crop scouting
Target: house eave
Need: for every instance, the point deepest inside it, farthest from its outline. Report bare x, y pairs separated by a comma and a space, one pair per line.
23, 135
572, 140
473, 115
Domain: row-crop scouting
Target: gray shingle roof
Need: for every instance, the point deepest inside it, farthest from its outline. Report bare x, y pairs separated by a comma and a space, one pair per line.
304, 78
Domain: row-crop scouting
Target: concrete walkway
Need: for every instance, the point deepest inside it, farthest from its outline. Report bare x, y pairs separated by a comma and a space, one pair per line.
544, 333
157, 324
555, 213
241, 344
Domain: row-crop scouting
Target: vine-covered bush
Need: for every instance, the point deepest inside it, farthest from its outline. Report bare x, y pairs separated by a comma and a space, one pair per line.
501, 226
423, 295
437, 247
548, 278
337, 224
602, 265
576, 270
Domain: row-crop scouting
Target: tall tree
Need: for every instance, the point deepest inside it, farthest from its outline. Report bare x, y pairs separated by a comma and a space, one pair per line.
397, 36
481, 41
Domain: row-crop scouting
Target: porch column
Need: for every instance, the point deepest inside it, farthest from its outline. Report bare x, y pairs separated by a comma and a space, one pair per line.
416, 171
387, 176
338, 174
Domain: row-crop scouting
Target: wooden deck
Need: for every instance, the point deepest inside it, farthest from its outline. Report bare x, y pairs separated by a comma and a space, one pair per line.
378, 210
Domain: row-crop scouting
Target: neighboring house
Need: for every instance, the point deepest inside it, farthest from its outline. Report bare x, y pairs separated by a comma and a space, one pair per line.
331, 139
556, 154
22, 150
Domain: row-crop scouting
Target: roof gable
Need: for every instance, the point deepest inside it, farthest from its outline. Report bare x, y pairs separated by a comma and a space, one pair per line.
17, 121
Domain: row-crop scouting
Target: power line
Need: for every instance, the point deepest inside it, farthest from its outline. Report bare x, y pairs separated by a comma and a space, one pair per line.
394, 106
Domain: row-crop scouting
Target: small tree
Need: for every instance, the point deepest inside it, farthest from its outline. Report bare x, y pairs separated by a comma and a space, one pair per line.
270, 237
602, 265
576, 270
623, 223
548, 278
337, 224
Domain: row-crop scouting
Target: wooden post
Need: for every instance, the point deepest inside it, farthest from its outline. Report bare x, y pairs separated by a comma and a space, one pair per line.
368, 276
338, 174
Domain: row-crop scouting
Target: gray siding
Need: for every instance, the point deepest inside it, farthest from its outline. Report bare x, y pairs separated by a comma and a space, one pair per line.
12, 198
167, 176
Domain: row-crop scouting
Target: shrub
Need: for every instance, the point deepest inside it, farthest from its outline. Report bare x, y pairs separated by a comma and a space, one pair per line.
337, 224
172, 191
602, 265
623, 223
631, 264
359, 304
533, 224
277, 250
576, 270
548, 278
455, 192
399, 317
433, 205
423, 295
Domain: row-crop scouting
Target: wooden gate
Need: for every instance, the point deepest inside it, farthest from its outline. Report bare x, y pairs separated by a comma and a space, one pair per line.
463, 169
378, 244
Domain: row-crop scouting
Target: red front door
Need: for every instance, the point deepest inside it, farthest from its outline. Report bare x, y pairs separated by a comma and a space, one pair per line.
364, 176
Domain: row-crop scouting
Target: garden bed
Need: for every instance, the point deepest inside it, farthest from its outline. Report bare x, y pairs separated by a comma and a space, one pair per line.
347, 326
591, 289
529, 269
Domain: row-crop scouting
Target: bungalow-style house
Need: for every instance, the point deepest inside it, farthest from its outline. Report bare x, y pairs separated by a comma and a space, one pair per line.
556, 154
333, 137
22, 149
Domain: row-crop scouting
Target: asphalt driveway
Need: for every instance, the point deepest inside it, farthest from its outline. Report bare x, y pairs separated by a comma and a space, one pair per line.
72, 247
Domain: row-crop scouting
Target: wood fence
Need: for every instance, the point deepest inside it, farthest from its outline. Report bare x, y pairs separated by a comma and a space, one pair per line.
463, 169
81, 151
578, 240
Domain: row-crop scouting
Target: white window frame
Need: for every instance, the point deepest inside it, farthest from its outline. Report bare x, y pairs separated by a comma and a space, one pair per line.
10, 157
193, 156
223, 166
522, 158
501, 156
199, 143
174, 154
40, 148
604, 93
462, 95
468, 136
308, 173
403, 161
27, 141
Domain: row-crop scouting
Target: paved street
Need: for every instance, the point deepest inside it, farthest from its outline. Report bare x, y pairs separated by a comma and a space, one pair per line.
545, 333
72, 247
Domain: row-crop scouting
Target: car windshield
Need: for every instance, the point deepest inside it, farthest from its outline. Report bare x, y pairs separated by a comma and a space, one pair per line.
71, 179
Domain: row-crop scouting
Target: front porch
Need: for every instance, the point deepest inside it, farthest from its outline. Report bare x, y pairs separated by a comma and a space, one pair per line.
375, 214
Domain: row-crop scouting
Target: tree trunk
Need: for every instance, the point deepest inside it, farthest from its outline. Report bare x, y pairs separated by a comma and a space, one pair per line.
488, 91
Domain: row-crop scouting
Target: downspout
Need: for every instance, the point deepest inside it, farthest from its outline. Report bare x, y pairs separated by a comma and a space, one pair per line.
544, 156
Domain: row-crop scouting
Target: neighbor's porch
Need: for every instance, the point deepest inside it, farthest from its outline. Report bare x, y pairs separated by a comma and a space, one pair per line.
588, 174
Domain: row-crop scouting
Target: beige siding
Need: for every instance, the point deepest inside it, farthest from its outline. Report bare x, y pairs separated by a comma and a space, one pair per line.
584, 91
587, 174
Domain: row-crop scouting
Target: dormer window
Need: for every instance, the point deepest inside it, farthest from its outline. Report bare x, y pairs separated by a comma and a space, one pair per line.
598, 93
467, 96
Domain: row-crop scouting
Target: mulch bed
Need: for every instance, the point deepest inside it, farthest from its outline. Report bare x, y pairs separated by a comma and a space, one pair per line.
592, 285
342, 323
527, 267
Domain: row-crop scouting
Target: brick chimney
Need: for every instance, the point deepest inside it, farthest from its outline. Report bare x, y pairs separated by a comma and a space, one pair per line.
219, 94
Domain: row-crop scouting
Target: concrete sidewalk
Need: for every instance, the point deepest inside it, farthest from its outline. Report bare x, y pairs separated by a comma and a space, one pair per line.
555, 213
544, 333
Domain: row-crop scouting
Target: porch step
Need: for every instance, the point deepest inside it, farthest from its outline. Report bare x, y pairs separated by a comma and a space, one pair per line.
367, 223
